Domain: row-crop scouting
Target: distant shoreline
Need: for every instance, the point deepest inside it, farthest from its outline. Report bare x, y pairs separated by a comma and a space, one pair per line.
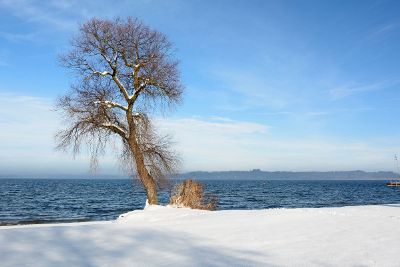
200, 179
241, 175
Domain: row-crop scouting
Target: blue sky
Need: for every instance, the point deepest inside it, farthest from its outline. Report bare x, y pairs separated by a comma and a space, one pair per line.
276, 85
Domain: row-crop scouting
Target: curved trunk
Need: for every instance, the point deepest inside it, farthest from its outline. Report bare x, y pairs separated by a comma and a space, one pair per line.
147, 180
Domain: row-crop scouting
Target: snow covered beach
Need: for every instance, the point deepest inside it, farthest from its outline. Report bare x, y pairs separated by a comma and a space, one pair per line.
159, 236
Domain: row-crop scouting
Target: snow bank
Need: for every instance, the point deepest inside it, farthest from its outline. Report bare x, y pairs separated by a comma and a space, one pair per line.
348, 236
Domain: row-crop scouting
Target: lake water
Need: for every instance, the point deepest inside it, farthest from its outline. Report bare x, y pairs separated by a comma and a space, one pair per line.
25, 201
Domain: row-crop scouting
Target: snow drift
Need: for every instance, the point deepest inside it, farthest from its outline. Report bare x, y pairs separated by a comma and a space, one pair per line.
346, 236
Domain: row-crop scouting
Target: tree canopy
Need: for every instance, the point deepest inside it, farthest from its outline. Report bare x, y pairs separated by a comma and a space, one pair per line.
123, 72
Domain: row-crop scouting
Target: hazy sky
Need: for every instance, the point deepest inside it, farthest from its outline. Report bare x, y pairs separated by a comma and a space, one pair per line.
275, 85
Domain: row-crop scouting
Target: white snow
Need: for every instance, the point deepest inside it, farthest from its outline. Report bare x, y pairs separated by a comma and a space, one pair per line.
101, 73
158, 236
115, 126
111, 104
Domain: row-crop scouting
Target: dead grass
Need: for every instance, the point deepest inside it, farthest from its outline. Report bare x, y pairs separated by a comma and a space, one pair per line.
190, 194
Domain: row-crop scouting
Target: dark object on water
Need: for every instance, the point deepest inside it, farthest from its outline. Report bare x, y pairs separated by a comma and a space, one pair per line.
393, 183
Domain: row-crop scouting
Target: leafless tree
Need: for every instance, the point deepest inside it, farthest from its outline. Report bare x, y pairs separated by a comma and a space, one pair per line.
124, 72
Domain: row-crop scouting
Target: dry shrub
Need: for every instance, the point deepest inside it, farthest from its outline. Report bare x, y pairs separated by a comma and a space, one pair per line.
190, 194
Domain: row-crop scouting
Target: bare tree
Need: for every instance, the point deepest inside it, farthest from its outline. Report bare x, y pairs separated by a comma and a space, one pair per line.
124, 71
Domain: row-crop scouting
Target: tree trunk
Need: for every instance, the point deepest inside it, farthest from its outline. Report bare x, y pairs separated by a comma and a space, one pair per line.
147, 180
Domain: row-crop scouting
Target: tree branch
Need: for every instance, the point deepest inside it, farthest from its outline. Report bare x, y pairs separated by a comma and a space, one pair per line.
121, 87
104, 73
111, 104
115, 129
114, 74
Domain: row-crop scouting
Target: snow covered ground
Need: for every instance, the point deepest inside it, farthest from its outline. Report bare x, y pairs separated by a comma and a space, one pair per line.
158, 236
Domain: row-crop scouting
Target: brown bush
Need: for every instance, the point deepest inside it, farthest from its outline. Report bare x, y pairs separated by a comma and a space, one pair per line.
190, 194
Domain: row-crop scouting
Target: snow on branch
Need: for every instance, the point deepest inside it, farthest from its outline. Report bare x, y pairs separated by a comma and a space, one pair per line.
103, 73
116, 129
121, 87
111, 104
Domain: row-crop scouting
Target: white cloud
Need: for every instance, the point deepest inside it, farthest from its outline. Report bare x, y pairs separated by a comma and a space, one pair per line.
41, 12
60, 15
27, 145
217, 124
237, 145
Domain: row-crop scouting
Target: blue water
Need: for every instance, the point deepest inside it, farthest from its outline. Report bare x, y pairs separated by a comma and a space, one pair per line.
51, 200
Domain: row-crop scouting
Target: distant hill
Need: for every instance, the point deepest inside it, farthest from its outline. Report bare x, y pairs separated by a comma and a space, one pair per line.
286, 175
241, 175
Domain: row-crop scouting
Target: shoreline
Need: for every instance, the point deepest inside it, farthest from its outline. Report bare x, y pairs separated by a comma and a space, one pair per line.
66, 222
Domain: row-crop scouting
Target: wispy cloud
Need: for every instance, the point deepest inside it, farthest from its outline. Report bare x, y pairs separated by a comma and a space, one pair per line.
19, 37
316, 113
207, 144
381, 31
26, 122
216, 143
298, 114
217, 124
28, 125
252, 90
60, 15
3, 58
358, 88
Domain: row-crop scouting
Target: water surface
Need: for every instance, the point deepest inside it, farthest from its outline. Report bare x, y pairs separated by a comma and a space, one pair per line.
65, 200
